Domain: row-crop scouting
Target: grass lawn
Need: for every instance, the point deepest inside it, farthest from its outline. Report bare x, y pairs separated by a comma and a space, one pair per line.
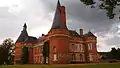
105, 65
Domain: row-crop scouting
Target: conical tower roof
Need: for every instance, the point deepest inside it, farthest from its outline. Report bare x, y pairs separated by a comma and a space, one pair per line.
23, 34
57, 21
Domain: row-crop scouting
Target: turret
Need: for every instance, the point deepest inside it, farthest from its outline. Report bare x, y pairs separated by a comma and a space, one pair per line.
59, 21
19, 44
23, 34
59, 38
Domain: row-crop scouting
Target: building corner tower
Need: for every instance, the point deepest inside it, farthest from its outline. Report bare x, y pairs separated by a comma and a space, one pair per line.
19, 44
59, 38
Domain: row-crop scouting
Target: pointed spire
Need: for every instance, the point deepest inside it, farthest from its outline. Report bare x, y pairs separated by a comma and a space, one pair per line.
58, 4
57, 21
23, 34
25, 26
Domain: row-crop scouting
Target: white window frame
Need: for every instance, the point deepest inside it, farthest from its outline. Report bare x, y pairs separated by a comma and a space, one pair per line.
81, 47
89, 46
90, 57
46, 59
54, 57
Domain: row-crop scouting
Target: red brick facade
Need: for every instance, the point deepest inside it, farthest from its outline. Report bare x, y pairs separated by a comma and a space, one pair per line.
65, 46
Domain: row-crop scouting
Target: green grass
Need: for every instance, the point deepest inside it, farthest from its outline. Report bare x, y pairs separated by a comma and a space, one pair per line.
105, 65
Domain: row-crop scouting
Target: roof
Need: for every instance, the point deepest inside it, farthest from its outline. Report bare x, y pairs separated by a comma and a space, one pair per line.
31, 40
89, 34
74, 33
23, 34
57, 21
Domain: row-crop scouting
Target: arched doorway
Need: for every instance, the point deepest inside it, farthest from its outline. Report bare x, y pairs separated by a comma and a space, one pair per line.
46, 52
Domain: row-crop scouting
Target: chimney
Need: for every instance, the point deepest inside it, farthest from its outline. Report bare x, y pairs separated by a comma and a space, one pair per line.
63, 15
81, 31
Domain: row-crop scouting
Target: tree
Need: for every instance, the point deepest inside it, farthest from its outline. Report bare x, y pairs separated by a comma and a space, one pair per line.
107, 5
114, 54
1, 55
25, 53
118, 53
45, 51
7, 51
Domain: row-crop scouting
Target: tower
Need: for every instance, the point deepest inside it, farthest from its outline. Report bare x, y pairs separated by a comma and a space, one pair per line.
59, 38
19, 44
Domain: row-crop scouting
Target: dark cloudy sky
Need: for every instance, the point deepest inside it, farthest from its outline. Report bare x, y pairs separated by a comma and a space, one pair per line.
38, 14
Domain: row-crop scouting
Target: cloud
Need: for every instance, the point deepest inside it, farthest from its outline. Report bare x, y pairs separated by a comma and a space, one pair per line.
7, 20
12, 18
39, 15
80, 16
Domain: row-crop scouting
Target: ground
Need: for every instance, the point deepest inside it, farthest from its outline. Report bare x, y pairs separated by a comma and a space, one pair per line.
101, 65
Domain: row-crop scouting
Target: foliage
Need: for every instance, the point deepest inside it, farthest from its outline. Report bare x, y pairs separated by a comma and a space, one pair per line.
45, 51
7, 52
25, 53
2, 55
113, 54
107, 5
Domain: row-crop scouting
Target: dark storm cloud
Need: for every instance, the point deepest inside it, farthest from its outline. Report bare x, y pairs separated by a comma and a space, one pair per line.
39, 15
80, 15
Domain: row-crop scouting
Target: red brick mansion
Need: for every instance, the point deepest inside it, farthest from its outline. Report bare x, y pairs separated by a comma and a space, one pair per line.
65, 46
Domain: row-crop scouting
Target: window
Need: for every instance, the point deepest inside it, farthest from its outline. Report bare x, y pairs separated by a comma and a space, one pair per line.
54, 57
89, 46
90, 57
54, 49
73, 57
73, 47
37, 59
81, 48
46, 59
81, 57
77, 49
36, 50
